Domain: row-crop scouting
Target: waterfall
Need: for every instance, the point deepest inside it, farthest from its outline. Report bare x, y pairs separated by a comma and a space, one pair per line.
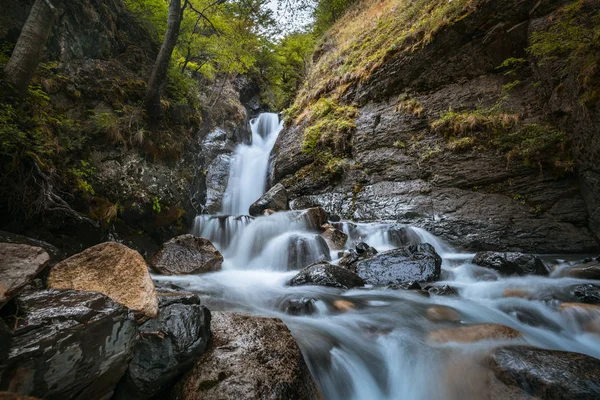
380, 349
249, 165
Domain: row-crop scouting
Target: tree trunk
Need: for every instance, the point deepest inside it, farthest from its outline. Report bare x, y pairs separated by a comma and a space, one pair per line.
161, 66
28, 50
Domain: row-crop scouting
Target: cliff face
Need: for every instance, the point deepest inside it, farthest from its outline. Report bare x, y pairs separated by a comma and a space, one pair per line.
458, 127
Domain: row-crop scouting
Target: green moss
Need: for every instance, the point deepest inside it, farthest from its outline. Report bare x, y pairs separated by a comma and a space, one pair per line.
410, 105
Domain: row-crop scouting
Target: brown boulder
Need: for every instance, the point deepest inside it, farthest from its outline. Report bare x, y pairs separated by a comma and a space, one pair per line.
249, 358
314, 217
442, 313
581, 271
474, 333
19, 265
186, 255
111, 269
336, 240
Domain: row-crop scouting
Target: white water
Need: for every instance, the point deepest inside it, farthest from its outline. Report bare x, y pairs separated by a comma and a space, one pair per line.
379, 350
248, 171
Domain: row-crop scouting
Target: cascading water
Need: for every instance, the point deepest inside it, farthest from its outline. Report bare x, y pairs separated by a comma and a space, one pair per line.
248, 171
380, 349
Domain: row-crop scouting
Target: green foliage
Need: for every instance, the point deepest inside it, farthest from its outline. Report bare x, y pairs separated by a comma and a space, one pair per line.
327, 12
532, 144
410, 105
574, 38
329, 128
156, 207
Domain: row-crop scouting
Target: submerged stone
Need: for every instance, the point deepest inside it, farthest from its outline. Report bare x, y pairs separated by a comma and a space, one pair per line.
325, 274
474, 333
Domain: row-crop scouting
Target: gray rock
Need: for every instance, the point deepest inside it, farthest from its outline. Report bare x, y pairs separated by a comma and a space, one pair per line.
444, 290
169, 345
275, 199
217, 174
249, 358
511, 263
298, 306
589, 294
325, 274
303, 251
55, 254
186, 255
315, 217
412, 263
350, 258
19, 265
68, 345
547, 374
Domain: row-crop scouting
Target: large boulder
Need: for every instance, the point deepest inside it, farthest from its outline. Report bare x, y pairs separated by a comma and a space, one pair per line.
581, 271
336, 239
350, 258
249, 358
19, 265
186, 255
325, 274
275, 199
55, 254
68, 345
412, 263
304, 250
314, 217
511, 263
547, 374
170, 345
112, 269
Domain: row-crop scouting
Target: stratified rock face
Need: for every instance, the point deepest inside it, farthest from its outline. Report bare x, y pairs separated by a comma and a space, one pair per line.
112, 269
68, 345
185, 255
547, 374
19, 264
249, 358
412, 263
275, 199
5, 341
405, 171
325, 274
511, 263
169, 345
336, 240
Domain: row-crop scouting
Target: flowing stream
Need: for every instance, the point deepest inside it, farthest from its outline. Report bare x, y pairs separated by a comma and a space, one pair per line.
379, 349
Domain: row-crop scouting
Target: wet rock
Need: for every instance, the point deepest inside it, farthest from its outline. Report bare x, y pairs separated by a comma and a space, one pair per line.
300, 306
303, 251
325, 274
186, 255
249, 358
350, 259
275, 199
19, 265
586, 293
547, 374
412, 285
344, 305
217, 174
400, 236
169, 345
442, 314
581, 271
268, 212
55, 254
520, 293
15, 396
412, 263
5, 341
112, 269
314, 217
68, 344
336, 240
511, 263
444, 290
474, 333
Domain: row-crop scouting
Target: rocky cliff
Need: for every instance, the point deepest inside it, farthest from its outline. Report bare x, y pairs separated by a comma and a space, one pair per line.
478, 120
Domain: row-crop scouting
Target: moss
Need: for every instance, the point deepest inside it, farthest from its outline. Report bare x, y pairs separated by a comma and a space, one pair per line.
431, 153
477, 123
410, 105
573, 36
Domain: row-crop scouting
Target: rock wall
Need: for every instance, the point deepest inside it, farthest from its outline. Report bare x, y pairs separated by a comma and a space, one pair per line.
400, 169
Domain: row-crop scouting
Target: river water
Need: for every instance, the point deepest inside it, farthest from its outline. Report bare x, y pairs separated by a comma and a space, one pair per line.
378, 348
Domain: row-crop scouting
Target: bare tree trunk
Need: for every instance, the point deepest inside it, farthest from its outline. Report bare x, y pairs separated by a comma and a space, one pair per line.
28, 50
161, 66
